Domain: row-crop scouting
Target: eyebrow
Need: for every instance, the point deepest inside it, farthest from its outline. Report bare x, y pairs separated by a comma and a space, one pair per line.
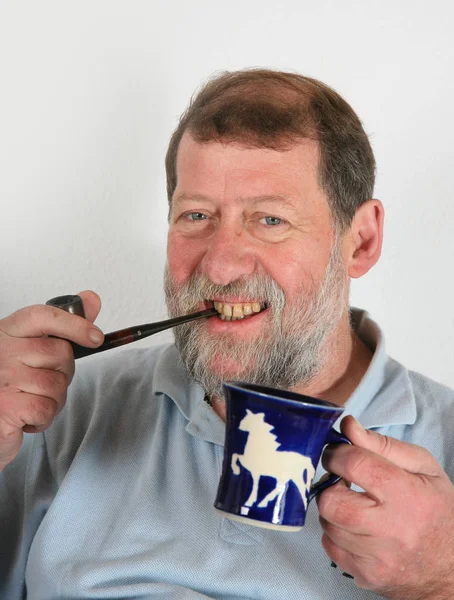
286, 200
273, 199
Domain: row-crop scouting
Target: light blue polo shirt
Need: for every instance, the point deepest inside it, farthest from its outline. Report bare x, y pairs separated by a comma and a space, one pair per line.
115, 499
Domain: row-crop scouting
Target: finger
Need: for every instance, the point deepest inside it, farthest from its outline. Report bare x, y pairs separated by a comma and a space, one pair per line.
44, 353
363, 545
92, 304
366, 469
410, 457
40, 320
343, 559
347, 509
21, 409
364, 569
33, 429
47, 382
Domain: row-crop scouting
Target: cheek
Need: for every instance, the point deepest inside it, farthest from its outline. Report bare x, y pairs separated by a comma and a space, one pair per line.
183, 256
289, 270
295, 271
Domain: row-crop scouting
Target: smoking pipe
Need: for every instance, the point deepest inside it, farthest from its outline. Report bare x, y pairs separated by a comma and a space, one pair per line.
74, 305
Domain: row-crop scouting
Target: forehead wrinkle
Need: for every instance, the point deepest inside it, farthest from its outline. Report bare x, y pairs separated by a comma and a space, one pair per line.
191, 198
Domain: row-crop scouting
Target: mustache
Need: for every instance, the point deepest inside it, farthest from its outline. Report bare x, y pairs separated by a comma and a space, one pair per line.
198, 288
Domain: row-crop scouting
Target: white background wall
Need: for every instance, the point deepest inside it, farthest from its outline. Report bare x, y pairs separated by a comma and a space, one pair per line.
90, 92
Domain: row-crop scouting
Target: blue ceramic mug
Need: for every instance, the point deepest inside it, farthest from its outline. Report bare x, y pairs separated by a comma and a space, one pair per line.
273, 443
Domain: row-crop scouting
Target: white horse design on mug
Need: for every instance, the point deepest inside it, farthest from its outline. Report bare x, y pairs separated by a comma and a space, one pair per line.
283, 466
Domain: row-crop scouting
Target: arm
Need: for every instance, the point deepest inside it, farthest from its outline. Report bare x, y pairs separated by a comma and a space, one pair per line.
35, 371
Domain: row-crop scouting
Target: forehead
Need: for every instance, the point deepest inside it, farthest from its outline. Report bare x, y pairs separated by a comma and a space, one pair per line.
221, 170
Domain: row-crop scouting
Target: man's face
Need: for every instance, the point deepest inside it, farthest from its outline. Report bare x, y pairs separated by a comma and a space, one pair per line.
251, 227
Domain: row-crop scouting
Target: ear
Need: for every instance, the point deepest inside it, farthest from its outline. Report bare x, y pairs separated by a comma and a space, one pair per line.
365, 238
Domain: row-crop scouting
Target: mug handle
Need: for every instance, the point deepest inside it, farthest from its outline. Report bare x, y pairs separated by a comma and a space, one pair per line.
333, 437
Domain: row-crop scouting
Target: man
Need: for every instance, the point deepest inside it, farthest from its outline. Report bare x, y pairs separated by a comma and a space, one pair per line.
270, 184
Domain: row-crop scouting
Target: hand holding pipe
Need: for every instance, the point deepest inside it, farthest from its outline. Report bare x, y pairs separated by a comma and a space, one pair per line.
74, 305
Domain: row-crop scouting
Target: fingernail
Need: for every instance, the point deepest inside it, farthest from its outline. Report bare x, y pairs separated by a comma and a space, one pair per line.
95, 335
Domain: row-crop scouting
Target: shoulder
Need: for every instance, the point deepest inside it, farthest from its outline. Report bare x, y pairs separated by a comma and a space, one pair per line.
433, 428
121, 372
431, 395
108, 397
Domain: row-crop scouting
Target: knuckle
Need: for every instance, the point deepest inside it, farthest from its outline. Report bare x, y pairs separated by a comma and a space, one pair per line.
37, 314
42, 346
52, 383
355, 462
432, 466
7, 347
3, 322
385, 445
347, 514
12, 318
376, 578
334, 507
41, 410
28, 314
326, 501
53, 347
371, 583
8, 376
33, 314
65, 351
328, 546
61, 381
65, 356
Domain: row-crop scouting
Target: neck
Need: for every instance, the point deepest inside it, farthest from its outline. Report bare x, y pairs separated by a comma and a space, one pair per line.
348, 361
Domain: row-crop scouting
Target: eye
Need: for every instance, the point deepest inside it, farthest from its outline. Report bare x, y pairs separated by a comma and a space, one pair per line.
272, 221
195, 216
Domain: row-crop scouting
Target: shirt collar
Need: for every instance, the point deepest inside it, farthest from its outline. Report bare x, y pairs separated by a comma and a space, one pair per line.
170, 379
384, 396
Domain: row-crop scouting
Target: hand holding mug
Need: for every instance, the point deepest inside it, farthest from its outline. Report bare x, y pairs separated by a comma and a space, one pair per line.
396, 538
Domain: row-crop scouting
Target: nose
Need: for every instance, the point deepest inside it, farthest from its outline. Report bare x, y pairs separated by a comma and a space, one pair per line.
229, 255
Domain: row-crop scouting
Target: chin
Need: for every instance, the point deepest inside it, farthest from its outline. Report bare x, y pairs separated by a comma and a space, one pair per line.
227, 368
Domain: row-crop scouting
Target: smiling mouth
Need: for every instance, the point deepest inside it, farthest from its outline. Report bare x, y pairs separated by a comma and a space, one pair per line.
235, 311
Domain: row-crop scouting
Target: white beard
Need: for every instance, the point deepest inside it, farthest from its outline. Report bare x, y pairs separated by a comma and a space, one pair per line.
289, 350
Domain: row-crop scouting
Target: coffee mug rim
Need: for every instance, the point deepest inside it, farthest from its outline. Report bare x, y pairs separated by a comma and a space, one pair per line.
255, 388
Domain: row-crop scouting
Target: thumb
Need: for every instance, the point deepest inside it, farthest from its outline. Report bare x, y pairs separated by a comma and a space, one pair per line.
410, 457
92, 304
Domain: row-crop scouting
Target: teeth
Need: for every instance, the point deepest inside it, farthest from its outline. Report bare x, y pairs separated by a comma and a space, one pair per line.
232, 312
237, 310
